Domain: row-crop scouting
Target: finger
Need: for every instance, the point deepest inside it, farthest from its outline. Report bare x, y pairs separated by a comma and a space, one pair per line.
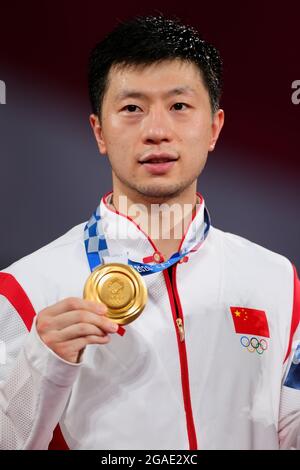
69, 350
80, 316
75, 303
79, 330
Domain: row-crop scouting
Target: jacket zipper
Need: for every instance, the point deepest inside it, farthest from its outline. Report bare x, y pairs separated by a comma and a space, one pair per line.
179, 322
170, 279
180, 329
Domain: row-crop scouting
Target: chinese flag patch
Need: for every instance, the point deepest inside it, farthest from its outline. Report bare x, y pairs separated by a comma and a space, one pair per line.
250, 321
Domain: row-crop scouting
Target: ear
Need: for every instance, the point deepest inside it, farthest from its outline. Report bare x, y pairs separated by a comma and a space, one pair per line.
217, 124
98, 133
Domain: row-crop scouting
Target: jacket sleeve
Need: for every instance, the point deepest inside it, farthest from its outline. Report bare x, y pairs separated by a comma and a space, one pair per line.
289, 415
35, 383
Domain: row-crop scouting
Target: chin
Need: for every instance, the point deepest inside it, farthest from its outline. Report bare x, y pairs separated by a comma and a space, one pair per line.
160, 191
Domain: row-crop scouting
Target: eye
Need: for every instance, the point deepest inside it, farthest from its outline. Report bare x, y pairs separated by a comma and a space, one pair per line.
179, 106
131, 108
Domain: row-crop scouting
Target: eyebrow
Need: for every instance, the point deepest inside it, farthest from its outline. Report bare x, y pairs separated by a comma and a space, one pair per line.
180, 90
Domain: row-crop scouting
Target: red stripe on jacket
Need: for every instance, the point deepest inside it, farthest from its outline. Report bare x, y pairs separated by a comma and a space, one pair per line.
15, 294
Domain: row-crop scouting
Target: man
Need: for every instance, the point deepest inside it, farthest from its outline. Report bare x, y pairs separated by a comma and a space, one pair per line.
211, 360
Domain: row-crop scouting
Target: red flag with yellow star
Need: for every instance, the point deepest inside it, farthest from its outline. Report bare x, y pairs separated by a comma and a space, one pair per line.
250, 321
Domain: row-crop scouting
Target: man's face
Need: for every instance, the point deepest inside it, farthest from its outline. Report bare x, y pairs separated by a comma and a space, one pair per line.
156, 128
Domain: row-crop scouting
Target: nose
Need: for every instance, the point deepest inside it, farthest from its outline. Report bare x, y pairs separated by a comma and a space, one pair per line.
156, 127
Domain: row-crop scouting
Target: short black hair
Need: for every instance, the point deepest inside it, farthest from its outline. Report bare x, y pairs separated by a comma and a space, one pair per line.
145, 40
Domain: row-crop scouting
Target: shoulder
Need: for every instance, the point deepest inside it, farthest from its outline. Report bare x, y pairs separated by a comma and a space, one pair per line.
64, 242
51, 271
245, 254
55, 271
255, 273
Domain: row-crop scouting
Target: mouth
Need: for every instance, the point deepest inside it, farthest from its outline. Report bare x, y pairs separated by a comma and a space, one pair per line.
158, 164
158, 158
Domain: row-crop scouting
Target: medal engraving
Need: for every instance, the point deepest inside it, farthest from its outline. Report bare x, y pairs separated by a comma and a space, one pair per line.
117, 292
121, 288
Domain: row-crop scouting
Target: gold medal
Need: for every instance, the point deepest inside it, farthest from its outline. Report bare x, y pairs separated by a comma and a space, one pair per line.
121, 288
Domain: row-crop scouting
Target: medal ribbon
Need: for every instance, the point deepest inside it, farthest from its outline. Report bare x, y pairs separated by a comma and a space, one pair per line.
97, 250
96, 246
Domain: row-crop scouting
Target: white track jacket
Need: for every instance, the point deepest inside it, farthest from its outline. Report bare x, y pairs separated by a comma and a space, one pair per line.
232, 382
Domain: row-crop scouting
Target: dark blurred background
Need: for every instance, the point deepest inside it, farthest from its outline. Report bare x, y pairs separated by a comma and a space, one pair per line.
51, 173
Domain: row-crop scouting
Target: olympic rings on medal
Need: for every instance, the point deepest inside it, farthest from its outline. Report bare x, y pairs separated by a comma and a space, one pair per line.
254, 344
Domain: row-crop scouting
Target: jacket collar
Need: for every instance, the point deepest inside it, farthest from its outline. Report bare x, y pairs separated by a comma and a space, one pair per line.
125, 237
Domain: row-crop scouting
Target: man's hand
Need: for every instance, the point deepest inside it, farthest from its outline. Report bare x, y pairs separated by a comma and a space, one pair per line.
69, 325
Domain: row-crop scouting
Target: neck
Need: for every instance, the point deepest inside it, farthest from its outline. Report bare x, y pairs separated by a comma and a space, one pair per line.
165, 220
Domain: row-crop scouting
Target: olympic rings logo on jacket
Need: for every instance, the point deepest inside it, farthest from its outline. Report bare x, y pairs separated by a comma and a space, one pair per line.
254, 344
